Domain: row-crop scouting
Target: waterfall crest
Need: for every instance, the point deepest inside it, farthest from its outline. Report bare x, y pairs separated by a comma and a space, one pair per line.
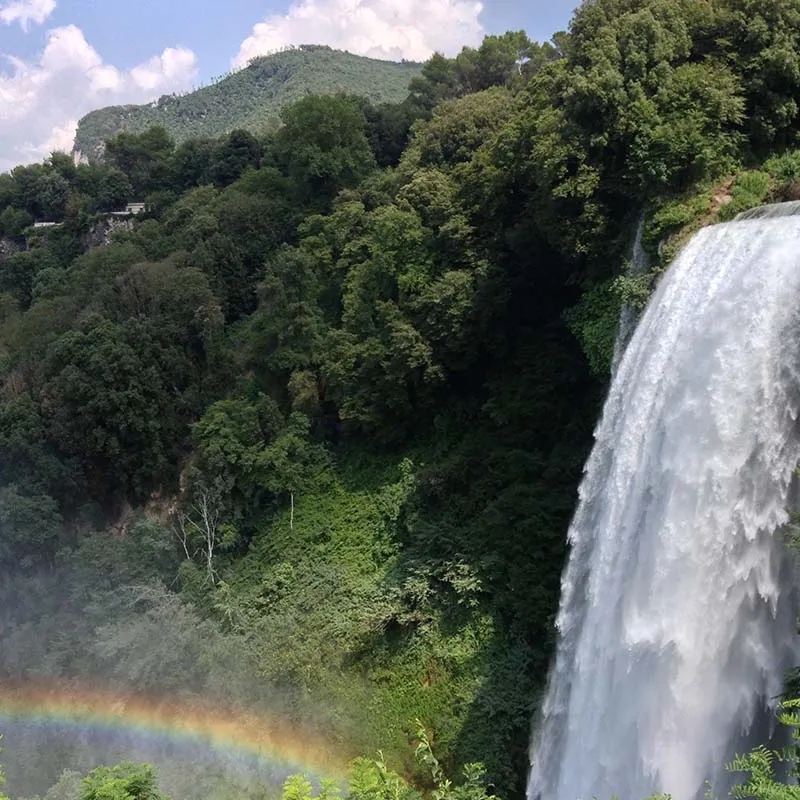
677, 615
771, 211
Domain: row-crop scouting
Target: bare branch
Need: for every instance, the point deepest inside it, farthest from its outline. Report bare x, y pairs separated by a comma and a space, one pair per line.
200, 521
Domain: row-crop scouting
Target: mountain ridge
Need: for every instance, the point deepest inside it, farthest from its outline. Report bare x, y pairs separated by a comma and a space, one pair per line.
251, 98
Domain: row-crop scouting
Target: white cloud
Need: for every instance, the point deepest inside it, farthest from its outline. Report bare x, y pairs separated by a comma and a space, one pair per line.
40, 101
388, 29
170, 67
26, 11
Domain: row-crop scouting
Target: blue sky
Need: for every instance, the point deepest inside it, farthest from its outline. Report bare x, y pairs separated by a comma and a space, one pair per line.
60, 59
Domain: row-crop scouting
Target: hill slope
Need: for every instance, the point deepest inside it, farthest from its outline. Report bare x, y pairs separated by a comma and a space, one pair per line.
253, 97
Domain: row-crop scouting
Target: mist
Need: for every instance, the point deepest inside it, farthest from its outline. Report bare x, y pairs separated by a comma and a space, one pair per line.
104, 617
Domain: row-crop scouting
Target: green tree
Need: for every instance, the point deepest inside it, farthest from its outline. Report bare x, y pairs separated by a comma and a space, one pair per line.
474, 785
396, 289
497, 62
762, 41
759, 764
67, 787
250, 226
389, 125
114, 190
291, 463
286, 332
107, 405
438, 81
107, 187
371, 779
378, 365
30, 527
323, 146
458, 128
297, 787
13, 221
233, 155
26, 180
9, 191
27, 459
145, 158
63, 164
191, 163
19, 273
126, 781
52, 189
247, 454
2, 777
229, 441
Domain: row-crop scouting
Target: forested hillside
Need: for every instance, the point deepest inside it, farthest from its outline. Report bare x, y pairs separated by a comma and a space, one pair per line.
252, 98
331, 394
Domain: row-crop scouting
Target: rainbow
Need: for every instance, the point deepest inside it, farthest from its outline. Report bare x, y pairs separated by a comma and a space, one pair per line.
267, 738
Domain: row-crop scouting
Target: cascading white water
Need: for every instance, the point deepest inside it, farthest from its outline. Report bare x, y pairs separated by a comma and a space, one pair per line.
629, 314
771, 211
677, 614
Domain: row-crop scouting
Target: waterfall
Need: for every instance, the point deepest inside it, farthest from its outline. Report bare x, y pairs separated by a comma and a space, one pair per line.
771, 211
677, 615
629, 314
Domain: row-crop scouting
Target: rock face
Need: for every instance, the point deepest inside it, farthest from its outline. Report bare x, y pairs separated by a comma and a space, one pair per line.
789, 192
10, 247
100, 233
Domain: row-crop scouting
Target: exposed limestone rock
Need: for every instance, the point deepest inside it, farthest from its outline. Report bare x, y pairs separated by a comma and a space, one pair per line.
10, 247
100, 234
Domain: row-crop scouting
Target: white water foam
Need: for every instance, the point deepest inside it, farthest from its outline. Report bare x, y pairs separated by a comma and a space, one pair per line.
677, 615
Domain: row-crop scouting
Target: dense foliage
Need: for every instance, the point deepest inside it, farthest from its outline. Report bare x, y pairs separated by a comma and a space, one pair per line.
252, 98
339, 382
2, 782
366, 779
